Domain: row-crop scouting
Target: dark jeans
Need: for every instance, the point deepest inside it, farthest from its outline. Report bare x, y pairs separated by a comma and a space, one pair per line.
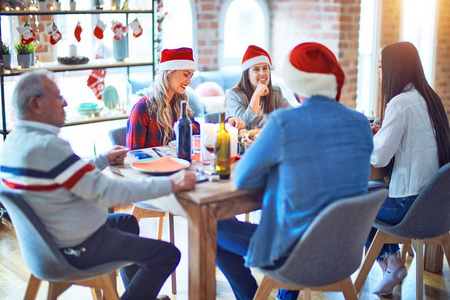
391, 212
118, 240
233, 239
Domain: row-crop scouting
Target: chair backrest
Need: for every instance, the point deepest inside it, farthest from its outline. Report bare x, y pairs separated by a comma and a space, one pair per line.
212, 118
118, 136
429, 214
39, 251
331, 248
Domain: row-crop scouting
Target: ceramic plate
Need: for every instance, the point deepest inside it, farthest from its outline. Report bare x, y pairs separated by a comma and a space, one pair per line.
162, 166
173, 144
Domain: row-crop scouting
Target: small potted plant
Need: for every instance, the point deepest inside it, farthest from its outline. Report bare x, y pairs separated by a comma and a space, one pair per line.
42, 4
73, 5
25, 54
56, 5
6, 56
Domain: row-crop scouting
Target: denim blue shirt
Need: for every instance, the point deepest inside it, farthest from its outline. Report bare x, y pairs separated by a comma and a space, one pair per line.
306, 158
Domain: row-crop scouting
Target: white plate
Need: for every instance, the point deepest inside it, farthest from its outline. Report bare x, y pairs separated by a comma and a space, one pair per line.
144, 166
173, 144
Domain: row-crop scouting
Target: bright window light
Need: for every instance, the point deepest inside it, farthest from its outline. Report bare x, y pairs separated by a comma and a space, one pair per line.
419, 19
177, 25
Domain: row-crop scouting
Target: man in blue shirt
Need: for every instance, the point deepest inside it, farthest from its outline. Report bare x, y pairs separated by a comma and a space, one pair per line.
306, 158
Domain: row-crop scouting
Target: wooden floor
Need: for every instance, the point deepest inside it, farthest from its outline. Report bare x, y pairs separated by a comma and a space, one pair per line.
14, 274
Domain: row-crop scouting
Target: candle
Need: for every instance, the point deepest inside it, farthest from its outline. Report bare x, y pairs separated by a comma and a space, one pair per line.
73, 50
210, 129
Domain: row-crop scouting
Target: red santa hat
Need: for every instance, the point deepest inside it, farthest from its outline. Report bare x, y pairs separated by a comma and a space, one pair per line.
255, 55
177, 59
312, 69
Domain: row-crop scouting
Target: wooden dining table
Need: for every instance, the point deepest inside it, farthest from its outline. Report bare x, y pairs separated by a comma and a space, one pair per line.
204, 206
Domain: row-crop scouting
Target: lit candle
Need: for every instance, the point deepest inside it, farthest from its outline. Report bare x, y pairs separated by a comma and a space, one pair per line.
73, 50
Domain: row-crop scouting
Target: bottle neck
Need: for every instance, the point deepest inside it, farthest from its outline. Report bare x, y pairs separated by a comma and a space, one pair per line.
222, 120
183, 109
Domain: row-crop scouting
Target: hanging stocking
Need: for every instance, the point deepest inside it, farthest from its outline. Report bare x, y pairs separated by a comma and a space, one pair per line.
118, 29
78, 31
26, 32
54, 33
96, 82
136, 27
99, 28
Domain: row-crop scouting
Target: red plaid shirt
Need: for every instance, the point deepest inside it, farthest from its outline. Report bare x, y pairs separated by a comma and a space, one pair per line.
142, 128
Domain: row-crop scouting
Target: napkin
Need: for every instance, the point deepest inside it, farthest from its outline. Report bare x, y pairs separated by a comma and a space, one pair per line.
163, 164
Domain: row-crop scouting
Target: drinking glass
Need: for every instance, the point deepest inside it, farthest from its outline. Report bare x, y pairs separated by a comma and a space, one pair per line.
210, 144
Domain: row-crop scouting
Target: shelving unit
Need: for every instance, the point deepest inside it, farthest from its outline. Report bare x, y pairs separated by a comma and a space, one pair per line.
92, 65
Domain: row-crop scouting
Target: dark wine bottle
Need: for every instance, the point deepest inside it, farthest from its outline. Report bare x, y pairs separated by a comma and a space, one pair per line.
223, 150
184, 134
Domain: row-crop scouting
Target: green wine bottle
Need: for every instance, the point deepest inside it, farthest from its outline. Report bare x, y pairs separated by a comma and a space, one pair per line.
223, 150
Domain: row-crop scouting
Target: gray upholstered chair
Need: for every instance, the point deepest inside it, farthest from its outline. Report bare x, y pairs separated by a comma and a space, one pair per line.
212, 118
341, 227
118, 136
46, 262
145, 210
427, 222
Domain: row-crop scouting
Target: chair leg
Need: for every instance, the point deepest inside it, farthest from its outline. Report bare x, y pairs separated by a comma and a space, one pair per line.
264, 289
348, 289
406, 249
160, 227
446, 246
109, 290
418, 246
32, 288
173, 276
307, 293
96, 294
369, 260
136, 212
56, 288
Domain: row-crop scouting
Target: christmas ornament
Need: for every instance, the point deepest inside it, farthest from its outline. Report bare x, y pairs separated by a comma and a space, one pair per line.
96, 82
26, 32
54, 33
99, 28
78, 31
118, 29
136, 27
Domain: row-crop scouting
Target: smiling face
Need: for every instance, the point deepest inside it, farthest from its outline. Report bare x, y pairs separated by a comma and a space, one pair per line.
259, 73
178, 81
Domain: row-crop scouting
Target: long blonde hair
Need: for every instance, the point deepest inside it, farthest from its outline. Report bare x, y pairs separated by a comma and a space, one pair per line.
157, 103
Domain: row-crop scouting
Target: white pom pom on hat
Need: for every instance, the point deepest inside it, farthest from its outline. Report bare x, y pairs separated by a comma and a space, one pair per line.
177, 59
255, 55
312, 69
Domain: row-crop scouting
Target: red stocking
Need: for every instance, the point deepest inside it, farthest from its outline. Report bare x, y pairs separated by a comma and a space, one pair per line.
96, 82
78, 31
99, 28
54, 33
137, 29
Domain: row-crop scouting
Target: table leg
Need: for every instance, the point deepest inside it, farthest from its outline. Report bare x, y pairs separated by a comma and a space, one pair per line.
202, 252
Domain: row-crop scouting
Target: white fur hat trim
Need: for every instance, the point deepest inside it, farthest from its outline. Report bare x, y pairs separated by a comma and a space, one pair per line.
177, 65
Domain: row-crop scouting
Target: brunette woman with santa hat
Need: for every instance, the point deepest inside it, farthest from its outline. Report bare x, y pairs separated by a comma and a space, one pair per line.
152, 118
254, 97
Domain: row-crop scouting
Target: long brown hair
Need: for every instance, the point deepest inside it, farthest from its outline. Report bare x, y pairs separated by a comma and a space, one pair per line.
401, 71
267, 103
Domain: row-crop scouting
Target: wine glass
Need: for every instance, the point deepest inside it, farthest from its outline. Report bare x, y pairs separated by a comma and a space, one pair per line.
210, 143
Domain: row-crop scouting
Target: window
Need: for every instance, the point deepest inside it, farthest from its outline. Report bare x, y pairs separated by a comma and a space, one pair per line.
177, 25
418, 27
367, 86
247, 23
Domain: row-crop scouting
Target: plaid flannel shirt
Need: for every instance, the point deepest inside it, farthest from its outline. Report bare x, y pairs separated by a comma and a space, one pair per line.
142, 127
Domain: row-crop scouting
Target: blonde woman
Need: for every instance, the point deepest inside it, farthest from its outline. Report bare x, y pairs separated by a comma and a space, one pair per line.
152, 118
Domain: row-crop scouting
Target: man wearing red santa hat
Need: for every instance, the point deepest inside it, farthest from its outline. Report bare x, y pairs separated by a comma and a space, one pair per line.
308, 153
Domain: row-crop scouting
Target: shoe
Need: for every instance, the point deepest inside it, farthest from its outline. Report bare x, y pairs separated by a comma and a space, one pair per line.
390, 280
162, 297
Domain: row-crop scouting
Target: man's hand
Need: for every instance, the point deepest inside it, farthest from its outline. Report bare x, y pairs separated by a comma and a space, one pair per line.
183, 181
236, 122
375, 128
116, 156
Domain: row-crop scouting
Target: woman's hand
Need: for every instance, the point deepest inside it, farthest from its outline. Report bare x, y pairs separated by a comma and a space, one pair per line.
116, 156
261, 90
375, 128
236, 122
